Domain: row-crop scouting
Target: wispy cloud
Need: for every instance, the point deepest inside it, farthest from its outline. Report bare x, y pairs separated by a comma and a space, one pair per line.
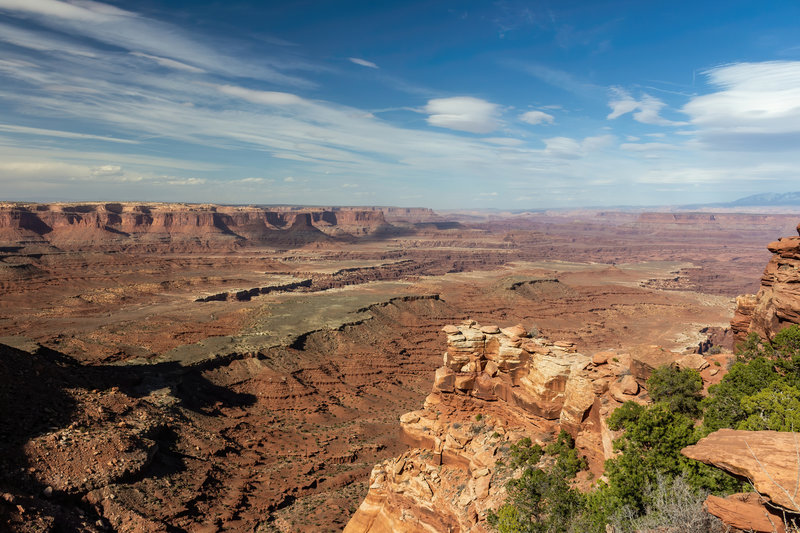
536, 117
63, 134
645, 110
136, 33
169, 63
362, 62
557, 78
756, 106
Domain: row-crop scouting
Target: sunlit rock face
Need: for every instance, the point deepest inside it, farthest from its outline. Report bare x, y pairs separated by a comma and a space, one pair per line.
777, 303
496, 385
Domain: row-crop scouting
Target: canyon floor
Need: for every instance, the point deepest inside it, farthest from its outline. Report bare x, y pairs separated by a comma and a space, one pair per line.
253, 387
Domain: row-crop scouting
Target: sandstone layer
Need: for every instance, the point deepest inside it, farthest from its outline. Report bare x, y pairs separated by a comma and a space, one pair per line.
770, 460
496, 386
777, 303
140, 224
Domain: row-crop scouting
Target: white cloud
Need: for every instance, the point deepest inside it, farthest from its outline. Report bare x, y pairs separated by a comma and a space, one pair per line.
647, 147
289, 179
256, 181
262, 97
107, 170
536, 117
753, 98
362, 62
646, 110
136, 33
169, 63
65, 134
568, 148
504, 141
463, 113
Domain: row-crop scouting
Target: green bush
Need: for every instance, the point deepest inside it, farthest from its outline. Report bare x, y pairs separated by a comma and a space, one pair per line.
723, 407
540, 500
776, 407
680, 389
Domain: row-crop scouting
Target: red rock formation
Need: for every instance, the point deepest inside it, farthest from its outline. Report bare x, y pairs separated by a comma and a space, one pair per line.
777, 303
130, 223
746, 512
769, 459
492, 380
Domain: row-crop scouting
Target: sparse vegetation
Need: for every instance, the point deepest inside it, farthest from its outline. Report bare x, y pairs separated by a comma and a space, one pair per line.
650, 484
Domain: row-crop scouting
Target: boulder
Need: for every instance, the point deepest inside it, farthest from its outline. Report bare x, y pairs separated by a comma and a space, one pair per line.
746, 512
490, 330
645, 359
693, 361
444, 379
515, 331
622, 390
464, 382
601, 358
484, 388
578, 399
769, 459
451, 330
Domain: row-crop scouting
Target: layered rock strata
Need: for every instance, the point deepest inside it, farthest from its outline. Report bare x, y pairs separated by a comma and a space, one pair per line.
777, 303
65, 224
496, 386
770, 461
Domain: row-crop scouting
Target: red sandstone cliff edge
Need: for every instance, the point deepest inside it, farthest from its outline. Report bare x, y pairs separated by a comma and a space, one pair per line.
777, 303
97, 223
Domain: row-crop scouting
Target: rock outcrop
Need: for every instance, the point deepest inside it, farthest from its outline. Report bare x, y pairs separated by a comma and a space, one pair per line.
777, 303
769, 459
746, 512
71, 225
492, 380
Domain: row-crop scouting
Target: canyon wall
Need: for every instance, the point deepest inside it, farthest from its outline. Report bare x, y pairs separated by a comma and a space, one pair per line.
92, 224
777, 303
495, 387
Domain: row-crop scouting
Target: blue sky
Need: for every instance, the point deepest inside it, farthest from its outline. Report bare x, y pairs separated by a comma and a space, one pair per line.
505, 104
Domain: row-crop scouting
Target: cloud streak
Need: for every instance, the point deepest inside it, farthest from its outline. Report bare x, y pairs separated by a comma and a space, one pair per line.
362, 62
645, 110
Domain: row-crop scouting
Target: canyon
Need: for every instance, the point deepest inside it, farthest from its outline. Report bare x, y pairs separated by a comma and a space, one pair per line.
245, 368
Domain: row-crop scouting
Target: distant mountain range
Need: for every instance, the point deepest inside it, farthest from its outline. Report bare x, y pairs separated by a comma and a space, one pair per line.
786, 198
769, 199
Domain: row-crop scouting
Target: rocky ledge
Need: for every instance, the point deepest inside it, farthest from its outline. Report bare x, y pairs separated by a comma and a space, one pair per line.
496, 386
777, 303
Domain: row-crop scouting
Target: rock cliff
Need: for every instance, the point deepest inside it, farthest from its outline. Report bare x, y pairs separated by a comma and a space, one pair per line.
777, 303
770, 461
496, 386
92, 224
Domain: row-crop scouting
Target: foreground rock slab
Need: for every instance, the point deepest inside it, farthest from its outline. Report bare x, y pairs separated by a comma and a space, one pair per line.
769, 459
747, 512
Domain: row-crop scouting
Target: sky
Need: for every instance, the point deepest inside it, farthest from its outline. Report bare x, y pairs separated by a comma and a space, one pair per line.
465, 104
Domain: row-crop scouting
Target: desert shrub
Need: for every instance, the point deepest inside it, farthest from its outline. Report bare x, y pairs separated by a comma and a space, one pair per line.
568, 463
525, 453
776, 407
650, 447
786, 343
672, 505
541, 500
723, 407
680, 389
